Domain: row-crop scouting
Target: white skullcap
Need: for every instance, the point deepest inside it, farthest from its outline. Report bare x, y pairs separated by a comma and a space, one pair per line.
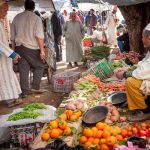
147, 27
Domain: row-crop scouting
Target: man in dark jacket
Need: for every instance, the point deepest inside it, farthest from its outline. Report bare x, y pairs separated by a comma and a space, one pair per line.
57, 31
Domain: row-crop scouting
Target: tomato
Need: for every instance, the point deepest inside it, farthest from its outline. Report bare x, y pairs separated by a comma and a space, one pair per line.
135, 131
142, 133
136, 125
130, 133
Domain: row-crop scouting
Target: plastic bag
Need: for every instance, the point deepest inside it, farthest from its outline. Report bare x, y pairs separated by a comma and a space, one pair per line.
58, 144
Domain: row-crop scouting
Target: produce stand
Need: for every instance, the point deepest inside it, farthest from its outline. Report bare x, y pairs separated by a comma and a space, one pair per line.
95, 87
70, 140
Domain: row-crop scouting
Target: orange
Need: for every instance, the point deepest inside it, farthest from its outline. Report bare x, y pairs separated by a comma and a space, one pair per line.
88, 144
60, 131
119, 137
95, 141
90, 139
78, 113
54, 124
69, 112
102, 141
124, 133
73, 118
99, 134
95, 130
104, 147
83, 139
48, 130
110, 141
63, 117
63, 125
55, 133
106, 134
88, 132
100, 126
45, 136
67, 131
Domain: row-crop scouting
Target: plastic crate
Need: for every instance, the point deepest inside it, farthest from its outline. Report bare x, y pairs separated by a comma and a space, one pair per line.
63, 82
102, 69
24, 135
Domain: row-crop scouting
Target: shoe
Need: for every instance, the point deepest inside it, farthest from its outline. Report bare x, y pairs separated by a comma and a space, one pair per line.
76, 64
40, 91
139, 116
25, 95
15, 103
69, 66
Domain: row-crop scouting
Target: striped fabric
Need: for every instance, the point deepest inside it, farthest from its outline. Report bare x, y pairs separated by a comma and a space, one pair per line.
9, 85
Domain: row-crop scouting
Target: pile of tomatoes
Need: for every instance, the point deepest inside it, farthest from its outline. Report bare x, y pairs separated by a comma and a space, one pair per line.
138, 129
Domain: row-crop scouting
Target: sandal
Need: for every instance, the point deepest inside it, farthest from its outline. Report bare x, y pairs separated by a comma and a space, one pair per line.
69, 66
15, 103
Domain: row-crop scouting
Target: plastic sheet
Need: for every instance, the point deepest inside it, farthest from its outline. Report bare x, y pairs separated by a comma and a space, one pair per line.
47, 115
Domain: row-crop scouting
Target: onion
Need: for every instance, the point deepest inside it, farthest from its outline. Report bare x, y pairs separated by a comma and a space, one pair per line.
122, 119
70, 106
115, 112
108, 121
113, 118
79, 105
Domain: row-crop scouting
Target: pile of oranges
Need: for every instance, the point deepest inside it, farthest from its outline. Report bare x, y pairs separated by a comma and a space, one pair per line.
103, 136
56, 129
71, 115
60, 127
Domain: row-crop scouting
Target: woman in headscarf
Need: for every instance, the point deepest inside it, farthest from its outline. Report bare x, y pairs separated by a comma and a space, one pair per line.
9, 85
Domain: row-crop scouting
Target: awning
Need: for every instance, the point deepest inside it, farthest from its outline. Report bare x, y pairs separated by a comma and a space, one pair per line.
125, 2
42, 4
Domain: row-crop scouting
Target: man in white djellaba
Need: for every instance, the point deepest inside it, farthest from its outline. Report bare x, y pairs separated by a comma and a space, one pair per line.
110, 25
9, 85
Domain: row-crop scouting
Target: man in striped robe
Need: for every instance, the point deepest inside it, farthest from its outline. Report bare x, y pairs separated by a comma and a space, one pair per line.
9, 85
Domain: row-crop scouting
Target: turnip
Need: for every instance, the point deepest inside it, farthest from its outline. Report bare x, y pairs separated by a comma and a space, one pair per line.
123, 119
108, 121
70, 106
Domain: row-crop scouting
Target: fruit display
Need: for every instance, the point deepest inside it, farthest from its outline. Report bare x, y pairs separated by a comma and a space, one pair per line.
56, 129
24, 115
101, 136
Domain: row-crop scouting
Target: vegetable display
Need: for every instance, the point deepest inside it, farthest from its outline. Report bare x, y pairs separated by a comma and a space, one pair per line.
118, 64
34, 106
104, 87
24, 115
100, 52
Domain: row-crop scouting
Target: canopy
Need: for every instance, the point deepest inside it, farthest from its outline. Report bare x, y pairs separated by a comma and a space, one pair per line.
15, 5
125, 2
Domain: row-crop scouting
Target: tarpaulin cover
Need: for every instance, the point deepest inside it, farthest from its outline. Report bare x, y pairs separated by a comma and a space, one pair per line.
125, 2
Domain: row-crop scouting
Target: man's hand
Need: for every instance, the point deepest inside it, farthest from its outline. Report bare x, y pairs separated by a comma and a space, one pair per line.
42, 55
17, 57
119, 74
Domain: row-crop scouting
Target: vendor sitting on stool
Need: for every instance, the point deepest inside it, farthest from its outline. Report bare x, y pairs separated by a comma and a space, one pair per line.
138, 83
96, 36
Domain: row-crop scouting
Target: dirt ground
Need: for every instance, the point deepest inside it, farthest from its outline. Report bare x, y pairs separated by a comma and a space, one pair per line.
49, 97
